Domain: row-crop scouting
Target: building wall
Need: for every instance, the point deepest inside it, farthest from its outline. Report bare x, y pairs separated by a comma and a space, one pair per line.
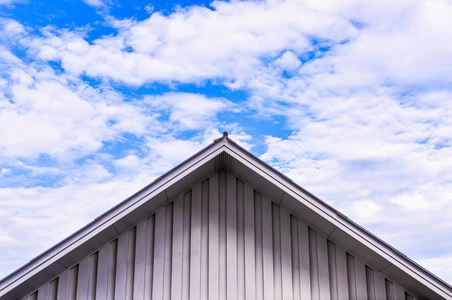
220, 240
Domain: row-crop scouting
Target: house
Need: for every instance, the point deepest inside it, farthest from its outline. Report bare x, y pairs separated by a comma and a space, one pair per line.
222, 225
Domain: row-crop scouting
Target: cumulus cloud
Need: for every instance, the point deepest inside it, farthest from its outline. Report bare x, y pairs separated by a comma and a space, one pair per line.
47, 115
221, 43
24, 212
189, 111
97, 3
9, 2
363, 89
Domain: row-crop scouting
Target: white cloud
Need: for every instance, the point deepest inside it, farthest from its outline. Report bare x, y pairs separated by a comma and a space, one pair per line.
48, 117
364, 87
189, 111
11, 28
149, 9
65, 118
28, 216
225, 42
439, 266
9, 2
130, 162
97, 3
288, 61
379, 162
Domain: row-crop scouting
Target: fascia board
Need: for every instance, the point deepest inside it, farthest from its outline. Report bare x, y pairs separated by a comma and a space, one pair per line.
109, 225
294, 195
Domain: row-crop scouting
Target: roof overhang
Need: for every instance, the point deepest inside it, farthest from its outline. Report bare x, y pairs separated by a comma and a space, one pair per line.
226, 154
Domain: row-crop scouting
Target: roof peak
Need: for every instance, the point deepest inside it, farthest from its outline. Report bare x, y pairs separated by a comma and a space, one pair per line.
224, 137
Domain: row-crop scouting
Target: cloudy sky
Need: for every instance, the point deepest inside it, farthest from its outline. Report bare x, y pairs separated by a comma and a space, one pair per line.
351, 99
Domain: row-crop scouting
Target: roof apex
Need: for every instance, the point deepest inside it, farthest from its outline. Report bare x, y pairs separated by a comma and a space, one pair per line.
224, 153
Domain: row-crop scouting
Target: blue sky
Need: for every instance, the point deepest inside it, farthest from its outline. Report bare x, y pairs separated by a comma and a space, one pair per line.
351, 99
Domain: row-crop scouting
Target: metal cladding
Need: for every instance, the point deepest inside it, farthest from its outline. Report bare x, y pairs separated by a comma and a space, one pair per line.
220, 240
222, 225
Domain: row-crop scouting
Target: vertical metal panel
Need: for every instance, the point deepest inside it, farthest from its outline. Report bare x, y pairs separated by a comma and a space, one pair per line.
149, 257
130, 263
195, 245
332, 270
124, 265
295, 258
322, 262
360, 277
389, 290
159, 254
315, 285
140, 261
380, 287
286, 255
221, 240
180, 272
241, 242
102, 273
106, 271
213, 264
341, 269
222, 211
176, 272
231, 216
63, 285
370, 281
112, 269
121, 266
408, 297
93, 276
43, 292
48, 291
86, 283
34, 296
305, 263
399, 294
277, 251
72, 290
250, 263
351, 277
267, 251
53, 289
259, 254
167, 266
162, 253
186, 247
83, 279
204, 240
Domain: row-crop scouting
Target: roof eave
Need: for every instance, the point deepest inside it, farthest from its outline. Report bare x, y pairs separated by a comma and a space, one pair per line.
337, 227
112, 223
224, 153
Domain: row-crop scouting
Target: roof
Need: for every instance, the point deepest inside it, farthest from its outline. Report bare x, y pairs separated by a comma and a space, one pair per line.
224, 153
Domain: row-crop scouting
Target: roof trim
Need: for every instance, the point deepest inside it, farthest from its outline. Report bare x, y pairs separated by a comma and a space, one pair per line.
393, 263
322, 217
108, 226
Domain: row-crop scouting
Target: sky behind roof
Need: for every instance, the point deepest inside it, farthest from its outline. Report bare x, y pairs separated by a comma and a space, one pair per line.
350, 99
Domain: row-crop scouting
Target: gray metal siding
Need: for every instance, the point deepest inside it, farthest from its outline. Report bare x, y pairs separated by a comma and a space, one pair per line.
220, 240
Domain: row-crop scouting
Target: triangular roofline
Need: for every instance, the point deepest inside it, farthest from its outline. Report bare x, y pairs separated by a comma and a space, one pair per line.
224, 153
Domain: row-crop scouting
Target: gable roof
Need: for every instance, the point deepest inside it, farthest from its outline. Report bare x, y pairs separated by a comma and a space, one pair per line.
224, 153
